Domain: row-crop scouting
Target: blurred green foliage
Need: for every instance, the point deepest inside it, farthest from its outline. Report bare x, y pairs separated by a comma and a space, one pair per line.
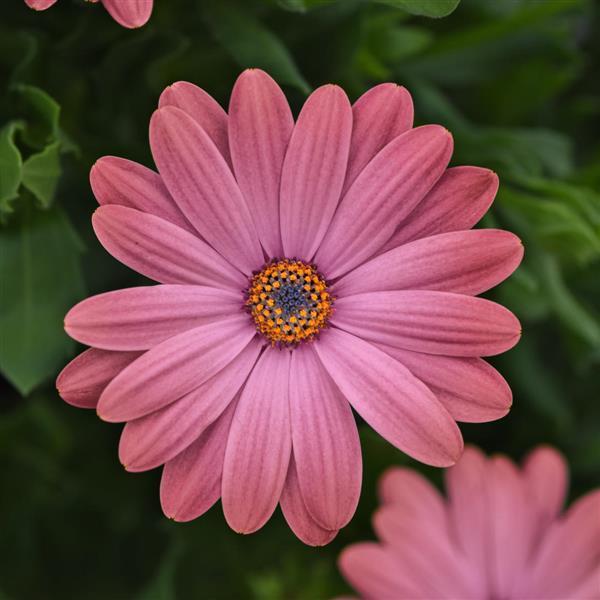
516, 81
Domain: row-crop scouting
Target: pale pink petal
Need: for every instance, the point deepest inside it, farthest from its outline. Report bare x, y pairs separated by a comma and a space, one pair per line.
459, 199
40, 4
142, 317
81, 382
471, 389
203, 108
297, 516
203, 186
325, 441
260, 126
464, 262
588, 587
172, 369
259, 445
431, 322
126, 183
379, 115
153, 440
191, 482
162, 251
394, 402
129, 13
314, 170
384, 193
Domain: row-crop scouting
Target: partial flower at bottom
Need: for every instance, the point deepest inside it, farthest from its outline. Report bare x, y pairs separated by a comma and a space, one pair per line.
305, 268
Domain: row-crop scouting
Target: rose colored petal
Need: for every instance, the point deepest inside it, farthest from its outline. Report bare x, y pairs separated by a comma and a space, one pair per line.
201, 183
142, 317
588, 587
471, 389
314, 170
379, 116
464, 262
259, 445
40, 4
119, 181
203, 108
260, 126
172, 369
129, 13
191, 482
153, 440
162, 251
297, 516
325, 440
387, 189
431, 322
458, 200
81, 382
394, 402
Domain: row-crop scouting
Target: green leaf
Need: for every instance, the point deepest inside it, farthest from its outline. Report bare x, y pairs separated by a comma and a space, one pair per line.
41, 173
424, 8
41, 113
39, 256
11, 165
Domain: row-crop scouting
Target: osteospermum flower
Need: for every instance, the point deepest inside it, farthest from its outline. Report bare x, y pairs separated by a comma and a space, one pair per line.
500, 534
305, 268
128, 13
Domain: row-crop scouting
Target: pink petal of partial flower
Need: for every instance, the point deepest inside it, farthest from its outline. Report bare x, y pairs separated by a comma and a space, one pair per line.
314, 170
172, 369
81, 382
394, 402
129, 13
325, 441
126, 183
203, 186
259, 445
431, 322
153, 440
142, 317
40, 4
471, 389
162, 251
260, 126
296, 514
191, 482
379, 115
464, 262
203, 108
384, 193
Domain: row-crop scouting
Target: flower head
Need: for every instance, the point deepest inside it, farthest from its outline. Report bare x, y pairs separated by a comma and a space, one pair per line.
304, 267
499, 534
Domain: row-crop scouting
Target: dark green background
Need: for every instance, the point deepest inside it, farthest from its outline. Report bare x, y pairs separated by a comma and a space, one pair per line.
517, 82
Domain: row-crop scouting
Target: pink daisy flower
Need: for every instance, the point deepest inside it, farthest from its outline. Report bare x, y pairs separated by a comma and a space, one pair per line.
128, 13
500, 534
305, 268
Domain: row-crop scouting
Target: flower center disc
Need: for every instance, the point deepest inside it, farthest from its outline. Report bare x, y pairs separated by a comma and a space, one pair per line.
289, 302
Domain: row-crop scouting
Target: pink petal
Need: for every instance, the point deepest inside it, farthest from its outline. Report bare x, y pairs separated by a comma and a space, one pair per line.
431, 322
314, 170
459, 199
471, 389
259, 445
129, 13
142, 317
201, 183
387, 189
379, 116
203, 108
191, 482
296, 514
260, 127
119, 181
394, 402
464, 262
40, 4
325, 440
81, 382
172, 369
153, 440
161, 251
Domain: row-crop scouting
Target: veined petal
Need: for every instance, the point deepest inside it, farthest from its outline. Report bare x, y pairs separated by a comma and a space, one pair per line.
129, 13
